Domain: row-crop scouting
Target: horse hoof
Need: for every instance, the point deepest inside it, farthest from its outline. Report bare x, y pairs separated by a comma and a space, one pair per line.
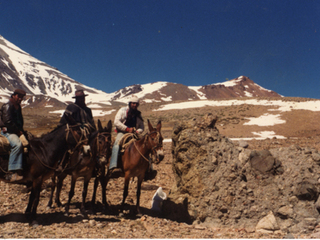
34, 224
139, 215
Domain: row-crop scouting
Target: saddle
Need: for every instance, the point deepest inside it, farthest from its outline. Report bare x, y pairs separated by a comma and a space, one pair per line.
4, 145
126, 140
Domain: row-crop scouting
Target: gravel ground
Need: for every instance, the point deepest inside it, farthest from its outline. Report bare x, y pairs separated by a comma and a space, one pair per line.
53, 223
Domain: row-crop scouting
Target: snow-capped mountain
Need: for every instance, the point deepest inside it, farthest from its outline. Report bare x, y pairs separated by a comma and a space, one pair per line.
46, 86
19, 69
167, 92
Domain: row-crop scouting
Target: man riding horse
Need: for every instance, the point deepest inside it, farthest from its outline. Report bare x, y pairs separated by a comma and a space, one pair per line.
127, 120
81, 114
79, 111
12, 129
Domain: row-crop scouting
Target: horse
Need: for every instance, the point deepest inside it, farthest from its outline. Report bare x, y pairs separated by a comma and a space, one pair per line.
135, 160
100, 170
84, 165
42, 159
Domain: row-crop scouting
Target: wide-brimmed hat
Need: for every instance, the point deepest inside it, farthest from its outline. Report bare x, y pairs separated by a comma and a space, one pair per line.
134, 99
79, 93
20, 92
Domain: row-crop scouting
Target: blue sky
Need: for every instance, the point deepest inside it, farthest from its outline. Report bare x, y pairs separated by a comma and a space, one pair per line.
111, 44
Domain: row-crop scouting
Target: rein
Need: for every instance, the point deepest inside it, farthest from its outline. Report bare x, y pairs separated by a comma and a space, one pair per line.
134, 143
144, 144
4, 171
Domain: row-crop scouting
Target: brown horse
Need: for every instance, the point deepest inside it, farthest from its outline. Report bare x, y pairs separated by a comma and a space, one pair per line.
43, 156
135, 160
85, 165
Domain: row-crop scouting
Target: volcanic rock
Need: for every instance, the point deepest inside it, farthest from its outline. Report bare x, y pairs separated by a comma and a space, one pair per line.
220, 184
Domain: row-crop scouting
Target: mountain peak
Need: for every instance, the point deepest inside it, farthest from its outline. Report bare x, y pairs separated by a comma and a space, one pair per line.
46, 86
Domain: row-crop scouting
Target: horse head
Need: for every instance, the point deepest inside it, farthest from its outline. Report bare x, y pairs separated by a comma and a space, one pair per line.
104, 142
156, 141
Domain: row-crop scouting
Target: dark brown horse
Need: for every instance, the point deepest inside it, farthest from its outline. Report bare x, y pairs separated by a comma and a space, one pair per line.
135, 160
85, 165
43, 156
105, 149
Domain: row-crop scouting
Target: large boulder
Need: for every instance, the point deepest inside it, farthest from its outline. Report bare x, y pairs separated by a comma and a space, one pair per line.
219, 183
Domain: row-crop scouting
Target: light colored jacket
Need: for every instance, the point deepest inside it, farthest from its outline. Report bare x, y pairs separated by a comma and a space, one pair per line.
121, 118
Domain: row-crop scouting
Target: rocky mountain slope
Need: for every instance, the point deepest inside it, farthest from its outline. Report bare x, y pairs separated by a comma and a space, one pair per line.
47, 86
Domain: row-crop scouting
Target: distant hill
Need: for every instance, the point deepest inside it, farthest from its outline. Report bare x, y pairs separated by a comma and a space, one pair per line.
47, 86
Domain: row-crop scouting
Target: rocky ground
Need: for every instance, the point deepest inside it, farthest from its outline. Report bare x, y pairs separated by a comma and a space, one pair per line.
301, 130
53, 223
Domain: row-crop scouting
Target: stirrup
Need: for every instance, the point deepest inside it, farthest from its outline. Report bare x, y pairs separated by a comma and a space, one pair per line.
116, 173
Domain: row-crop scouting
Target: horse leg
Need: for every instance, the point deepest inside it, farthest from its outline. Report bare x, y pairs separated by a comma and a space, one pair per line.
53, 186
71, 193
95, 186
125, 191
103, 182
34, 201
140, 180
31, 200
60, 178
84, 195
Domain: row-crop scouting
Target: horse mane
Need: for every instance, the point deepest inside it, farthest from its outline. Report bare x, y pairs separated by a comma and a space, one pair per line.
43, 135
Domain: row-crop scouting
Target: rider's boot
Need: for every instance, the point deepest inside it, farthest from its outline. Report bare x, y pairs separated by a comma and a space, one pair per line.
116, 172
15, 176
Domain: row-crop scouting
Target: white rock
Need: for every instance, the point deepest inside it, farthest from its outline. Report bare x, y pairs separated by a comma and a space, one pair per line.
269, 222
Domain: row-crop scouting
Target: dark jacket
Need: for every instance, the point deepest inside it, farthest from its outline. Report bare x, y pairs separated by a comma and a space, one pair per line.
12, 118
81, 115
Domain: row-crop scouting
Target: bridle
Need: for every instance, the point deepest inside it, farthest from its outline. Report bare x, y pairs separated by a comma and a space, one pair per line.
83, 137
106, 136
155, 140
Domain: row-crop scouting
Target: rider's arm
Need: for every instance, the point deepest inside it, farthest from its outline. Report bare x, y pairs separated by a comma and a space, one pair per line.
8, 119
119, 120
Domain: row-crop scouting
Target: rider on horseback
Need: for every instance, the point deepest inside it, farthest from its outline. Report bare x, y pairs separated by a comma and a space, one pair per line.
79, 111
81, 114
12, 129
127, 120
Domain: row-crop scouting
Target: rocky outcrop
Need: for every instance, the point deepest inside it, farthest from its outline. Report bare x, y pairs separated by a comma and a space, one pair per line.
220, 183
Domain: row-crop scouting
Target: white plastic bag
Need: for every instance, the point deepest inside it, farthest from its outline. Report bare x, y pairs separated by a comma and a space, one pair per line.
157, 199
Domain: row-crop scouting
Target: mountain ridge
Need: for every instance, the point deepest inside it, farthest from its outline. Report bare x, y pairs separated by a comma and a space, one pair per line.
47, 86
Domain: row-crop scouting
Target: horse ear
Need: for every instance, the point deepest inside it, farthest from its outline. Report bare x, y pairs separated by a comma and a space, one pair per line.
159, 126
109, 126
150, 126
100, 126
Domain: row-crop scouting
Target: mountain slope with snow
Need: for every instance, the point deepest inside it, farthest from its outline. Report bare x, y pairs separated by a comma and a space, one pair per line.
46, 86
19, 69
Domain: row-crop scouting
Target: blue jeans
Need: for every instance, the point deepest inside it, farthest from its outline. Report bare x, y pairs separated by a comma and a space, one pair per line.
16, 154
115, 152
